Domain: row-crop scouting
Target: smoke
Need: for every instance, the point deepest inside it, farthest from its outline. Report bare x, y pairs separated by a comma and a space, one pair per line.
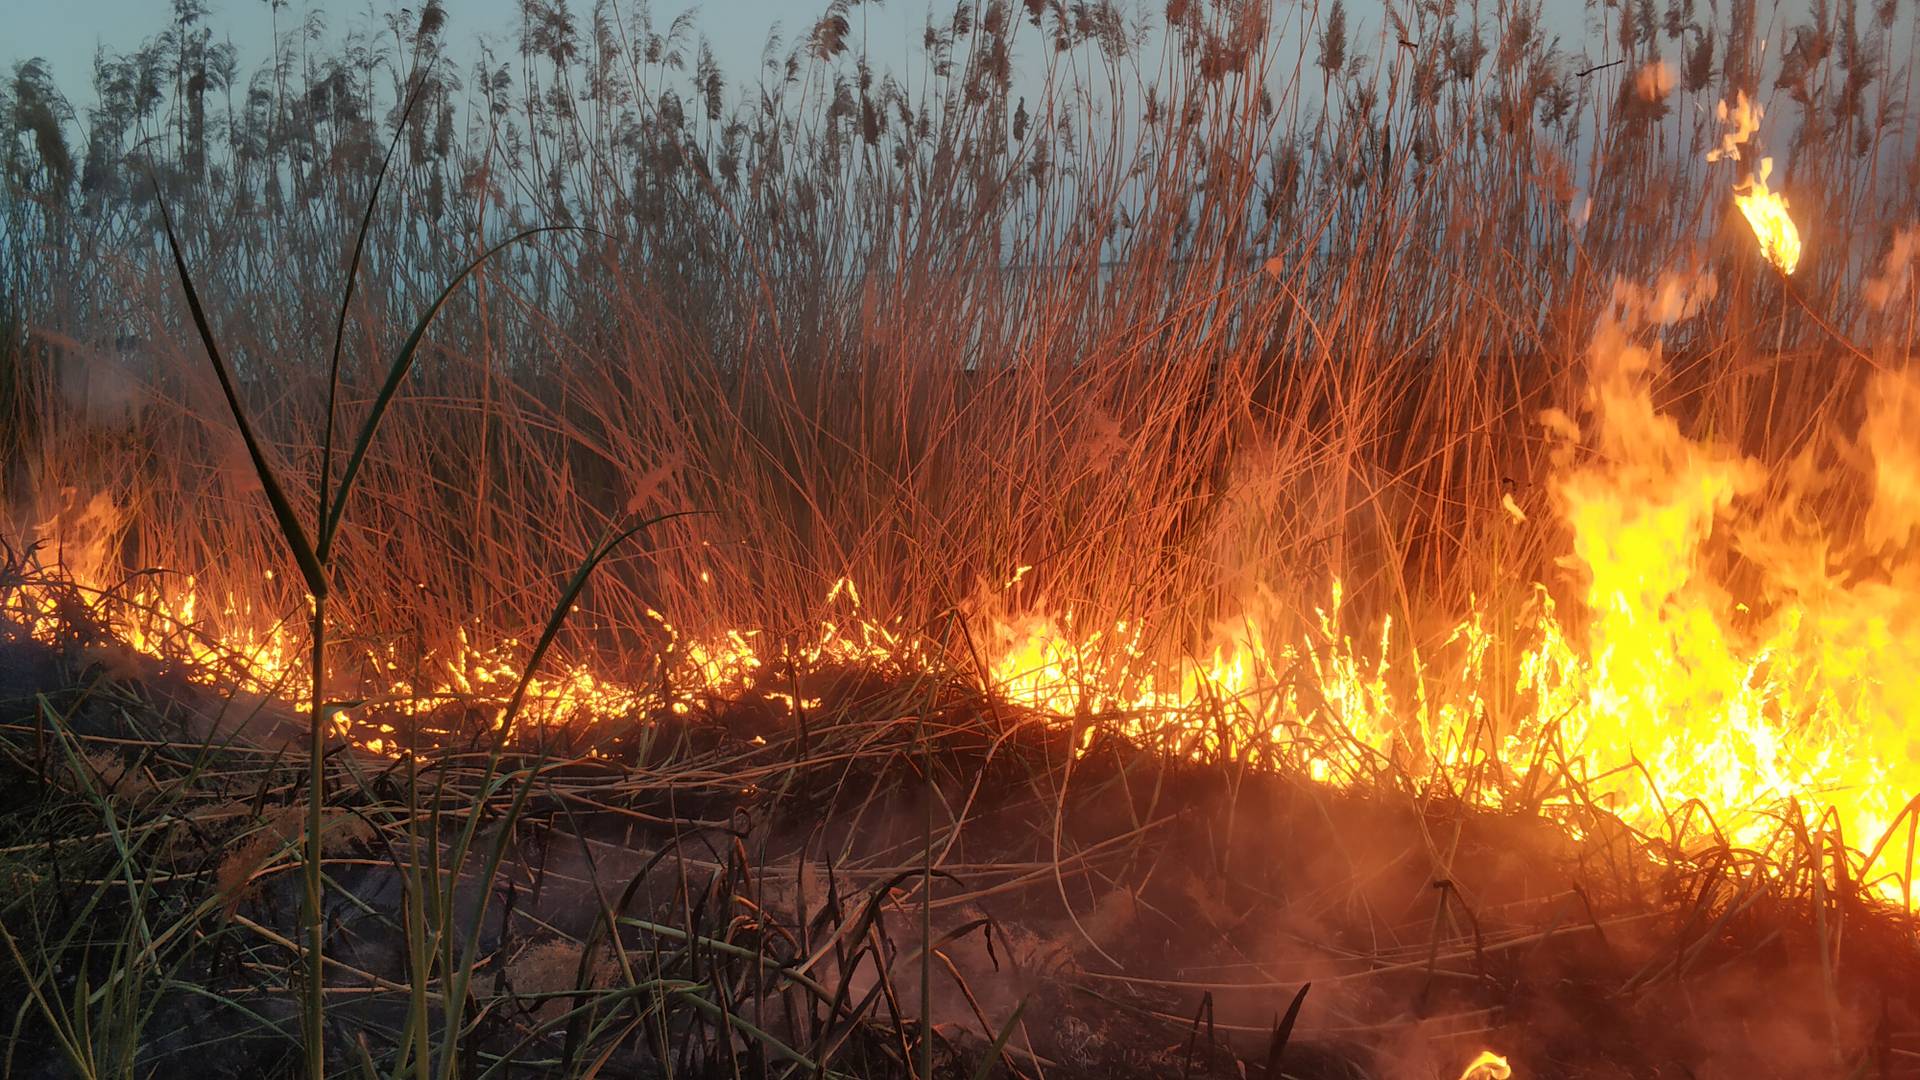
1893, 415
1654, 82
1896, 270
101, 389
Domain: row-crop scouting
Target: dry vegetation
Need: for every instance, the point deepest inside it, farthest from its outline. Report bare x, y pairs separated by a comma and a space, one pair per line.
1174, 307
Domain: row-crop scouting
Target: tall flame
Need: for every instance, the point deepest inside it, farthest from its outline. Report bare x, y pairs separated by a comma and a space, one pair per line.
1765, 210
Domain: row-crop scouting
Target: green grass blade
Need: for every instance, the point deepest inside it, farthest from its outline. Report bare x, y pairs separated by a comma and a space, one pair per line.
985, 1068
1283, 1033
290, 530
346, 294
559, 616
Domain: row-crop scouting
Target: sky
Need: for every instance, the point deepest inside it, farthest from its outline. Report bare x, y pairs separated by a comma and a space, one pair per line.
66, 32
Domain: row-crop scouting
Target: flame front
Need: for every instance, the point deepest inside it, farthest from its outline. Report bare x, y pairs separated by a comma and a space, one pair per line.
1679, 703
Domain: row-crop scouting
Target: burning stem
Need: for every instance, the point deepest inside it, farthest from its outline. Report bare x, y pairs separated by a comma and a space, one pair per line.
1826, 325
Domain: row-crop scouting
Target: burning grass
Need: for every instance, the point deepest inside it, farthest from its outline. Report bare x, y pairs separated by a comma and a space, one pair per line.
714, 894
1197, 535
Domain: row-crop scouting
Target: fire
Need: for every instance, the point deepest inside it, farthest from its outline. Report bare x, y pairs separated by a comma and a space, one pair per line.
1487, 1065
1683, 706
1765, 210
1664, 692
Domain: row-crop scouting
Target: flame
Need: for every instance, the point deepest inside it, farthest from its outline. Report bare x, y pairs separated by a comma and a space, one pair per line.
1684, 706
1765, 210
1487, 1065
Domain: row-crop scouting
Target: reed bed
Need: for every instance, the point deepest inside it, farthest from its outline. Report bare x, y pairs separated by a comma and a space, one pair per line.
1272, 317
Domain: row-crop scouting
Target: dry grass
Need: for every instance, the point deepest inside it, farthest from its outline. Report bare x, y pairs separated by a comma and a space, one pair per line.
884, 327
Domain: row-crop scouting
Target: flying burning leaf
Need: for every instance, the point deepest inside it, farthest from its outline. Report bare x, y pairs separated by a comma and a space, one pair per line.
1742, 120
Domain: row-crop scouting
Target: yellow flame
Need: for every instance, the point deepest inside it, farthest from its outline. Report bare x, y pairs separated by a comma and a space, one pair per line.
1666, 692
1487, 1066
1663, 695
1766, 212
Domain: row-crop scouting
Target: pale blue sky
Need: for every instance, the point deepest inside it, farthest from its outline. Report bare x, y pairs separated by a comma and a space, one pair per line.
66, 32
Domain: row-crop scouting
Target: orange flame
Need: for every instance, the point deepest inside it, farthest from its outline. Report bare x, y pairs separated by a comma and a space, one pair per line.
1664, 697
1487, 1066
1765, 210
